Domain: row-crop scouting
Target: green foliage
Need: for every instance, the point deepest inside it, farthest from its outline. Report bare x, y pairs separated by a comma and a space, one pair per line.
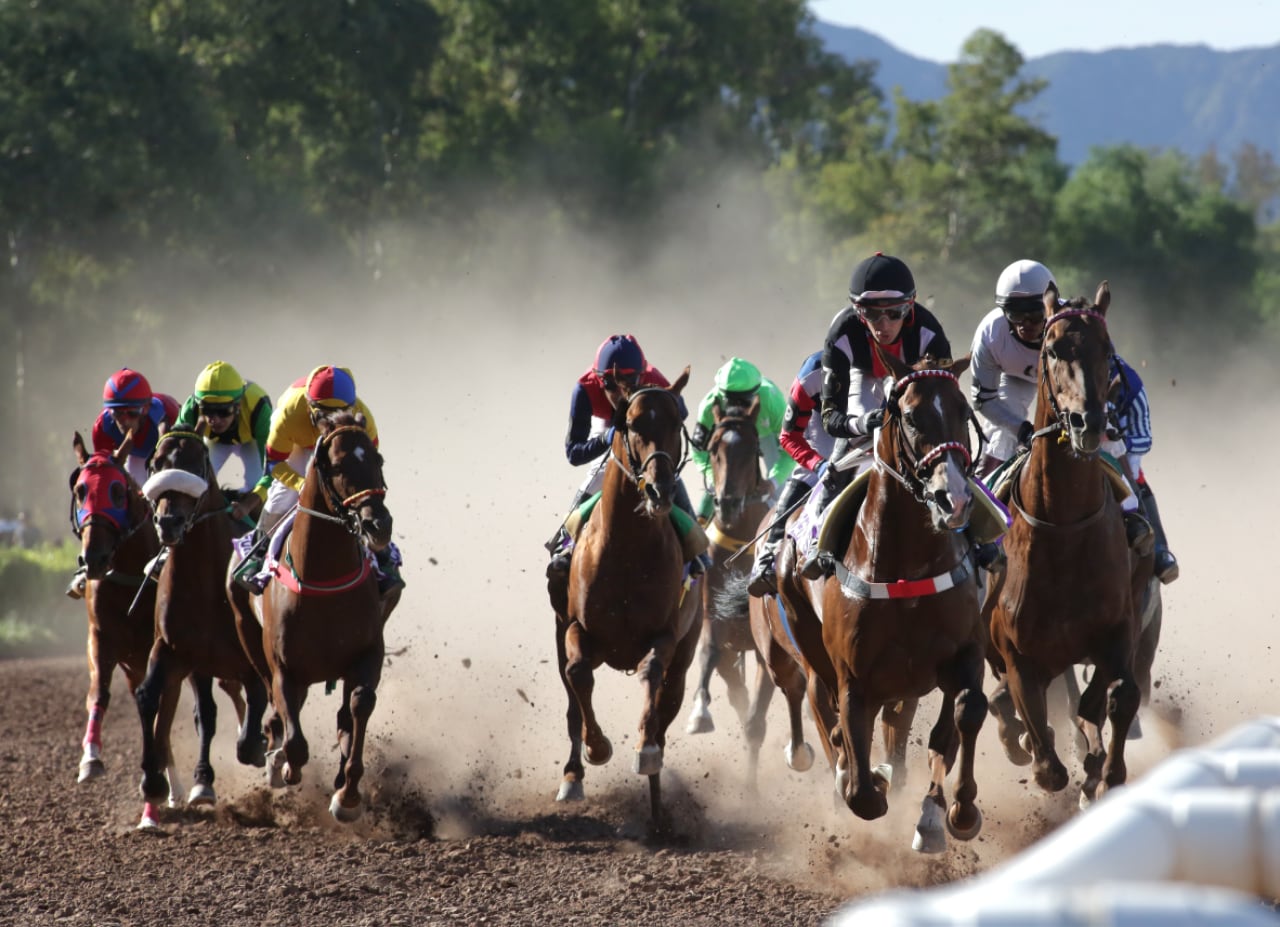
35, 616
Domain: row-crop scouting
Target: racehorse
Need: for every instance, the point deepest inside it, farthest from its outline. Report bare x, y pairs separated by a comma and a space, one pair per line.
900, 616
195, 630
1069, 593
742, 496
322, 615
112, 520
626, 602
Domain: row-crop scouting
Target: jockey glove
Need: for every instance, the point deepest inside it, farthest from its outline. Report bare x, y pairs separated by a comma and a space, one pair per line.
1025, 431
868, 421
699, 437
820, 469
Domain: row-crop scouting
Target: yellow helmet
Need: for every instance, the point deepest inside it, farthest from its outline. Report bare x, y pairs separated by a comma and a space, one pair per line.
218, 383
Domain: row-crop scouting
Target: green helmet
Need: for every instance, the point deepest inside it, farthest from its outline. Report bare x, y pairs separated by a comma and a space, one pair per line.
738, 376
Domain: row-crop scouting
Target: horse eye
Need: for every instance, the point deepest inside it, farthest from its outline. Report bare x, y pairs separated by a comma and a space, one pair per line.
117, 495
82, 491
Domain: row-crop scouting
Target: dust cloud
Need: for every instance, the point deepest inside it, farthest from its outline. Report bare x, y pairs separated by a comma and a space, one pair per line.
469, 374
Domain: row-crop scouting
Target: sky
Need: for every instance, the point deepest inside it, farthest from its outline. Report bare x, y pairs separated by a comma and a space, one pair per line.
935, 30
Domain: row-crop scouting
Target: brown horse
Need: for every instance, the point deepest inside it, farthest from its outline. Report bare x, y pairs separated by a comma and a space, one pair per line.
625, 603
900, 617
322, 615
742, 496
195, 630
1069, 591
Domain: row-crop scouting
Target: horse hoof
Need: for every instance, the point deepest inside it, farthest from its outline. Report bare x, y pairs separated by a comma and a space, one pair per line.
571, 790
90, 770
1135, 730
201, 795
801, 758
341, 813
882, 777
964, 833
648, 761
275, 762
150, 822
1052, 778
931, 833
252, 752
700, 721
599, 754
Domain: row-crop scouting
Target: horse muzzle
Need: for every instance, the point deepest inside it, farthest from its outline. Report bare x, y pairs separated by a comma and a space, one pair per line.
172, 527
375, 525
1085, 431
948, 497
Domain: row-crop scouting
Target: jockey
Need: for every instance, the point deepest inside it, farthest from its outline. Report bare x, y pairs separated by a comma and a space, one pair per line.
291, 442
239, 417
737, 383
619, 362
128, 403
882, 308
1005, 368
809, 445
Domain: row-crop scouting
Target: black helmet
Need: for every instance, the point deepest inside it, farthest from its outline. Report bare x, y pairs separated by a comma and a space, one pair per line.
881, 279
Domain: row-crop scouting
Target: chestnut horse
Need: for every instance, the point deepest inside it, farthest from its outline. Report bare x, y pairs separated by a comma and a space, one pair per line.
195, 630
626, 602
322, 615
900, 617
1069, 593
742, 496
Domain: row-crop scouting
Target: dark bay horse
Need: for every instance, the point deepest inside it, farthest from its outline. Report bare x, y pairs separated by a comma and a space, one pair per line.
626, 603
195, 630
1069, 593
900, 617
742, 496
322, 616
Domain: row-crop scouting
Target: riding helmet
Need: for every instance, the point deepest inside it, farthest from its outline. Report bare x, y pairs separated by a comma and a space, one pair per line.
331, 387
881, 278
620, 354
738, 376
219, 383
126, 388
1021, 286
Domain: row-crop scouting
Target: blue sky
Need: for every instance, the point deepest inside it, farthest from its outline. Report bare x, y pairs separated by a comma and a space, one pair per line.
937, 28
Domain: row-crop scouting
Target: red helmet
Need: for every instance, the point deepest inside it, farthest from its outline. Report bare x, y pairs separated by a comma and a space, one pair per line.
331, 387
126, 388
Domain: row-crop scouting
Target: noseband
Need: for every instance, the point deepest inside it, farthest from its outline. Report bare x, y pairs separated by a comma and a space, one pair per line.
635, 471
206, 467
346, 511
913, 478
1061, 420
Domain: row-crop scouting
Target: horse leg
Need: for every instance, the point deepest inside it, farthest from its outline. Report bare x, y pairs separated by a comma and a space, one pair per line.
1105, 768
156, 699
1009, 726
865, 795
895, 727
668, 698
206, 718
251, 742
99, 697
579, 674
1028, 688
345, 806
571, 779
289, 698
652, 672
825, 721
235, 692
931, 834
734, 674
964, 820
700, 721
757, 723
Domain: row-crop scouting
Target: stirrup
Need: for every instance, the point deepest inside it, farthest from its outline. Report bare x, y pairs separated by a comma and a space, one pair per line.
1166, 566
820, 565
559, 565
763, 581
79, 583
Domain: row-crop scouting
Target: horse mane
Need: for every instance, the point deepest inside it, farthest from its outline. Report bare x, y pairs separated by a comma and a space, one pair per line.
340, 419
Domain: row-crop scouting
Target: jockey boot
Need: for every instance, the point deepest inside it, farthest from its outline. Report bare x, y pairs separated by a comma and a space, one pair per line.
559, 565
764, 575
389, 577
990, 556
1166, 563
245, 573
1138, 531
76, 588
700, 564
764, 578
819, 563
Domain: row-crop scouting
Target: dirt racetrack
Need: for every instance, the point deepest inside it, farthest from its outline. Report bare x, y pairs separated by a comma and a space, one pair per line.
468, 740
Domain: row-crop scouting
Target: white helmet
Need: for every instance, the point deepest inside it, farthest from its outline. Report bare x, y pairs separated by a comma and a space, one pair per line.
1022, 284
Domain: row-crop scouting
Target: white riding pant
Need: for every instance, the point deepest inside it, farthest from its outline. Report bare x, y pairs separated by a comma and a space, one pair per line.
250, 462
280, 498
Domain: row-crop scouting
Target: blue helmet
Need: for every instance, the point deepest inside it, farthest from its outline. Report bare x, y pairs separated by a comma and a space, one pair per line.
620, 355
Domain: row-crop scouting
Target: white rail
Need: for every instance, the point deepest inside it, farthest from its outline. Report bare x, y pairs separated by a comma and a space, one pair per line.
1196, 841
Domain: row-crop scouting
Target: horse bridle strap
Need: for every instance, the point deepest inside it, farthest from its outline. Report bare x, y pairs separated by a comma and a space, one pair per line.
1015, 499
1058, 414
629, 468
858, 587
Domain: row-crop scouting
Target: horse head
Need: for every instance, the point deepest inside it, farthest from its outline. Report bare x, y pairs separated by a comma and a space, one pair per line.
1075, 364
649, 426
106, 506
350, 470
924, 442
182, 484
734, 448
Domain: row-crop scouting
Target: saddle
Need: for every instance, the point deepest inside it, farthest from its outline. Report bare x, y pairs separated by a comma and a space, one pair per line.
693, 540
1002, 479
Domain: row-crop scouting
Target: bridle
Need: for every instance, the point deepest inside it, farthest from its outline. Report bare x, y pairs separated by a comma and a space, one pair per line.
739, 423
1063, 421
342, 511
79, 525
634, 471
917, 466
195, 516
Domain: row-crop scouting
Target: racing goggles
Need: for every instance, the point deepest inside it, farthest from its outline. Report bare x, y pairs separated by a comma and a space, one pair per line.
878, 310
218, 411
1024, 312
614, 380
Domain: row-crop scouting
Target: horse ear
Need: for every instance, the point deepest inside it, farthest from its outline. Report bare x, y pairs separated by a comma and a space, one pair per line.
754, 411
960, 364
717, 411
1050, 300
202, 427
121, 455
82, 454
681, 382
620, 416
1103, 299
1113, 391
360, 420
898, 368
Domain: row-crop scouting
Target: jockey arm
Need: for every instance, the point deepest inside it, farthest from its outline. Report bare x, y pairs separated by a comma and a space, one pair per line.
580, 445
986, 373
702, 433
769, 424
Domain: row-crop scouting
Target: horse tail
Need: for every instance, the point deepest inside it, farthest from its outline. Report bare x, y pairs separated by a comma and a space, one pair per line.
731, 601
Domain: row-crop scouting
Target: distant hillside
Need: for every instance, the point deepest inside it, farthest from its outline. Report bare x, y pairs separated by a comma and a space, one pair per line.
1191, 98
